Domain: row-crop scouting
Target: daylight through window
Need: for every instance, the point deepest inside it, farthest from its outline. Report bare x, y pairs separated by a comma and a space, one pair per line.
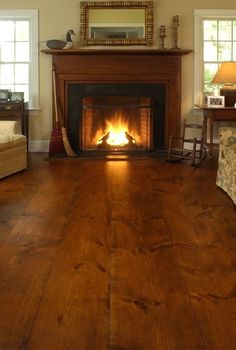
18, 53
219, 45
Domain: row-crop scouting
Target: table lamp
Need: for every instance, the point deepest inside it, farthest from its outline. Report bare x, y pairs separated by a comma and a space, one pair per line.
226, 75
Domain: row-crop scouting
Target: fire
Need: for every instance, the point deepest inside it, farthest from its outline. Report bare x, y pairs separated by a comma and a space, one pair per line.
117, 138
116, 133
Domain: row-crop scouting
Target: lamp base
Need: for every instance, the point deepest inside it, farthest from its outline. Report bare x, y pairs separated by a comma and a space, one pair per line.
229, 92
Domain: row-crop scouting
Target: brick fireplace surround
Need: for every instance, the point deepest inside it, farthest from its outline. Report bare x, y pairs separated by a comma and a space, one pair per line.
113, 66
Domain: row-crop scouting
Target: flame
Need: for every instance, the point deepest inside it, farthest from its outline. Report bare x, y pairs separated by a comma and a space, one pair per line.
117, 138
116, 131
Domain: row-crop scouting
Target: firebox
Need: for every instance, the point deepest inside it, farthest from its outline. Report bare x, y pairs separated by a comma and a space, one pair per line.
116, 123
115, 118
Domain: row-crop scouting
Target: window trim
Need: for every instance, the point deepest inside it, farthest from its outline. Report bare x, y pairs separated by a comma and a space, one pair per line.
199, 15
32, 16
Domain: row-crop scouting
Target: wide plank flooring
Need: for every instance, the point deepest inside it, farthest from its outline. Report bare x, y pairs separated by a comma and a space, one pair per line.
134, 254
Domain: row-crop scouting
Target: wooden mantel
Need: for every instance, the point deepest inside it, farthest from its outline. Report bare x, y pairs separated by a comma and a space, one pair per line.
122, 66
178, 52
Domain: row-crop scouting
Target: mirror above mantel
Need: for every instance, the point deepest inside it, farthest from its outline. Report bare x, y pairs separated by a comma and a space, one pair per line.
116, 23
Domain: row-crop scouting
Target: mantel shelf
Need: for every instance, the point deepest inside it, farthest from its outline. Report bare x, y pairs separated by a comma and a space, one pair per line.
179, 52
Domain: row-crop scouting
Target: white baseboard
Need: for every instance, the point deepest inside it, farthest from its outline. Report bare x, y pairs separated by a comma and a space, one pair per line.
38, 146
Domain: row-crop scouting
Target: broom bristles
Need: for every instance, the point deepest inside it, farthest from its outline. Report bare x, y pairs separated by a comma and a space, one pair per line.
68, 149
56, 144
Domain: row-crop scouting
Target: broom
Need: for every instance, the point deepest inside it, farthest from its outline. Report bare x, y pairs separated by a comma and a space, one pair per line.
68, 149
56, 145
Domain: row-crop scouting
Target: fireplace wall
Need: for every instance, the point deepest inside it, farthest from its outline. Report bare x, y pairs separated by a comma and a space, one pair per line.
94, 66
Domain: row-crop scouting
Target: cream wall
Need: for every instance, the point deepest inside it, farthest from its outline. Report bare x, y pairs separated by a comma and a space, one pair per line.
56, 17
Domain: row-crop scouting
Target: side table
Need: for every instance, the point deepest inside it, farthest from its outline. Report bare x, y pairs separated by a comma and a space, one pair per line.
215, 114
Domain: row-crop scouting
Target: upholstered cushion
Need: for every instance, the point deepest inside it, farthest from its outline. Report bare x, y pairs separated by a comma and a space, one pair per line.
11, 141
9, 126
226, 174
13, 148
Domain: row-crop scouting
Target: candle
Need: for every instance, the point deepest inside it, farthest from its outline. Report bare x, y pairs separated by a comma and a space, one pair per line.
176, 20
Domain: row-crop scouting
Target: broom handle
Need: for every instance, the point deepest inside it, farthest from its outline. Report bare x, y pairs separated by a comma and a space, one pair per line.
60, 113
55, 96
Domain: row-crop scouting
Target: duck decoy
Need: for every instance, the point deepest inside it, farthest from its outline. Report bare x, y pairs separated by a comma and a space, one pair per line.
60, 44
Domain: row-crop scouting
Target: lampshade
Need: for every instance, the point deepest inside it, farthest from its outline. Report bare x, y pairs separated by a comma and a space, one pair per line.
226, 75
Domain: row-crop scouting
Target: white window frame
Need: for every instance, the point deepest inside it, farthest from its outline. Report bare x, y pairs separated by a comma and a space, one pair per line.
199, 15
32, 16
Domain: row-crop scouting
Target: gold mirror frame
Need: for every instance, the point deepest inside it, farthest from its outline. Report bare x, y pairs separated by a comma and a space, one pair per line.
84, 22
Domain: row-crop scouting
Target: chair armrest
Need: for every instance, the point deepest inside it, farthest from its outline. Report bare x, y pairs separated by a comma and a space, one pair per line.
9, 127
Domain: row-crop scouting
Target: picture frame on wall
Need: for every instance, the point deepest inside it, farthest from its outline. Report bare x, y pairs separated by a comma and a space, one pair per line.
4, 95
17, 96
216, 101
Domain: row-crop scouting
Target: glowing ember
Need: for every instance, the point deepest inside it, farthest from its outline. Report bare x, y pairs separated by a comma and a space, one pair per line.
117, 138
116, 134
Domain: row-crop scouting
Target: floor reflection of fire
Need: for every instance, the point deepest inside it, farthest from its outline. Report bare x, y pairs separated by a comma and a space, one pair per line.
117, 136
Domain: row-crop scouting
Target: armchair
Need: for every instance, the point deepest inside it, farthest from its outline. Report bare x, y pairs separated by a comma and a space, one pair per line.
226, 174
13, 148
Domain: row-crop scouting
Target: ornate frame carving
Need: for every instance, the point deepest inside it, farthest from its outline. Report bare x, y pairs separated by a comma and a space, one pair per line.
84, 24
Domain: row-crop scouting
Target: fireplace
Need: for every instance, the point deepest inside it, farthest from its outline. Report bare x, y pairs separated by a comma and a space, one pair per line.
100, 88
111, 118
116, 123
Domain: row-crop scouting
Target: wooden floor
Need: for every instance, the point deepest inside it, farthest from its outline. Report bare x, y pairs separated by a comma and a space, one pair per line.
121, 255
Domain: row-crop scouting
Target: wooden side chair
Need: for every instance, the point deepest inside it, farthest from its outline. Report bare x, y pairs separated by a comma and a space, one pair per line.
189, 146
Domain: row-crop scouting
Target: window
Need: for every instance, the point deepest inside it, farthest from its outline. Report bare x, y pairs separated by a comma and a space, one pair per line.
215, 42
19, 53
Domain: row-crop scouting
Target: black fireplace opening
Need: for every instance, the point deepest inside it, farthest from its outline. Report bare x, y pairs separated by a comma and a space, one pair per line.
114, 118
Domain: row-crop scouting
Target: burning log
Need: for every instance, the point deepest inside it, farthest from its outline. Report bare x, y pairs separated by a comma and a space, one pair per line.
120, 141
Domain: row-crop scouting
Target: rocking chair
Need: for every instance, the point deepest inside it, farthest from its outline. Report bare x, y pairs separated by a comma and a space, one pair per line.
190, 148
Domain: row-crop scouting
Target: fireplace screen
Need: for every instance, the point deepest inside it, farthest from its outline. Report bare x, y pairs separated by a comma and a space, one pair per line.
116, 123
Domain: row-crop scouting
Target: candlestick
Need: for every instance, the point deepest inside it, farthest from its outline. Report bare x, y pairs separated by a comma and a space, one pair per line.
175, 31
162, 30
162, 36
176, 20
